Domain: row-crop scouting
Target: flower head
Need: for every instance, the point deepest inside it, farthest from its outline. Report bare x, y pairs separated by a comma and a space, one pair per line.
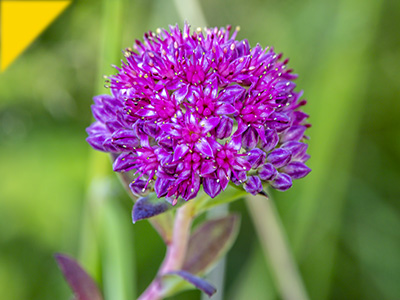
201, 108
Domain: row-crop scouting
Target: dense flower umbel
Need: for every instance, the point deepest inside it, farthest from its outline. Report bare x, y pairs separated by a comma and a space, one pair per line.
191, 109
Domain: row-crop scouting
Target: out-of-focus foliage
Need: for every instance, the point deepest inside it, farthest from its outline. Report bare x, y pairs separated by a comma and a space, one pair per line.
343, 220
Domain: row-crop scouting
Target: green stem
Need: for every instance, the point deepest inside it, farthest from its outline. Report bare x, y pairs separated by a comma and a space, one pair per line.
276, 249
176, 250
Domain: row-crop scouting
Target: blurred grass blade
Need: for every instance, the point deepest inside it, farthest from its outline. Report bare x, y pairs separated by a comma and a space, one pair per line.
80, 282
119, 279
106, 240
254, 280
190, 10
338, 94
273, 240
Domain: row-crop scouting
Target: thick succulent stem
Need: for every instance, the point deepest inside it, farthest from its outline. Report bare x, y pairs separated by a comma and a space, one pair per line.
176, 250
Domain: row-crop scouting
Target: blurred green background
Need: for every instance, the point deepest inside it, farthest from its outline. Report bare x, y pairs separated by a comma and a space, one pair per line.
342, 221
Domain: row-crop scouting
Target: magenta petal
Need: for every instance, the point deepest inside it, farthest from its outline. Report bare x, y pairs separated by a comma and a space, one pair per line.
138, 187
241, 164
224, 128
204, 147
209, 124
232, 94
146, 112
225, 109
171, 129
236, 143
161, 186
211, 187
124, 162
242, 127
223, 179
97, 142
180, 151
181, 93
193, 188
207, 167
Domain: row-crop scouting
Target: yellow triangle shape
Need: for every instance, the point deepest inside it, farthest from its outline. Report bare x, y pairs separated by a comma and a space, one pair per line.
22, 22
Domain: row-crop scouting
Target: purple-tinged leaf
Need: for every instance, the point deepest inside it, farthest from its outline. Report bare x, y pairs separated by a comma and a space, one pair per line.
147, 207
198, 282
210, 241
80, 282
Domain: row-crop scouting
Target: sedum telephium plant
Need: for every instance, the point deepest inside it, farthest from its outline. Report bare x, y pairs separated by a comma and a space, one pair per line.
189, 113
202, 109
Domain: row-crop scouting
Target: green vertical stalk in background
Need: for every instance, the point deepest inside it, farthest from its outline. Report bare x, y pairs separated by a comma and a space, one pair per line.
107, 243
338, 97
277, 252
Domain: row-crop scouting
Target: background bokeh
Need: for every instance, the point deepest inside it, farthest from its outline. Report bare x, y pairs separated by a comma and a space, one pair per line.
342, 221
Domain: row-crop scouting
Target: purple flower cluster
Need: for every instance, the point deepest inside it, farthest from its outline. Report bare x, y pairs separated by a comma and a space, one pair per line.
202, 108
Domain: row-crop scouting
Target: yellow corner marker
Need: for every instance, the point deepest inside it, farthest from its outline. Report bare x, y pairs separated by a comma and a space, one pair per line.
22, 22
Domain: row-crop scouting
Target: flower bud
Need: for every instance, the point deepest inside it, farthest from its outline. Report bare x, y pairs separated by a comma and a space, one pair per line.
267, 172
296, 170
279, 157
253, 185
282, 182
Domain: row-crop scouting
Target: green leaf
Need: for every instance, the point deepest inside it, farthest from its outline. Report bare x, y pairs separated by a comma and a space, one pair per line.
210, 242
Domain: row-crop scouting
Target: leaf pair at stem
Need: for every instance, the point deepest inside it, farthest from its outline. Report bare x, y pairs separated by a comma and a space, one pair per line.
206, 245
